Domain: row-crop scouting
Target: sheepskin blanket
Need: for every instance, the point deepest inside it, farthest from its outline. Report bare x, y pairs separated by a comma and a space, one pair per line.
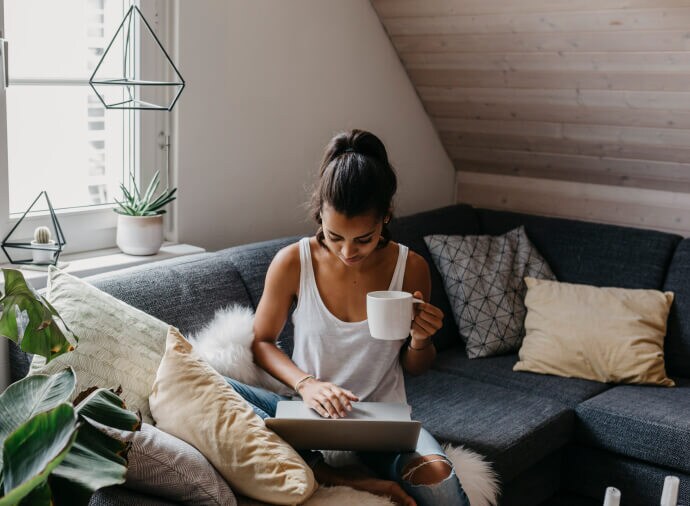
225, 343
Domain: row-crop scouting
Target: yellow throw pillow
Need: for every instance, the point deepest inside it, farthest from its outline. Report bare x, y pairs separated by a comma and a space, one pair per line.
603, 334
194, 403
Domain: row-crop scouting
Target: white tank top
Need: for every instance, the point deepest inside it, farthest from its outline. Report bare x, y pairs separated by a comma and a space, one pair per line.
344, 353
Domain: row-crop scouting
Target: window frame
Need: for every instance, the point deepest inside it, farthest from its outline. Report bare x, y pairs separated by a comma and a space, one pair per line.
94, 227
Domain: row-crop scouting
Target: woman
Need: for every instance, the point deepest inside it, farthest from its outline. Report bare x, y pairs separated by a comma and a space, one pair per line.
335, 360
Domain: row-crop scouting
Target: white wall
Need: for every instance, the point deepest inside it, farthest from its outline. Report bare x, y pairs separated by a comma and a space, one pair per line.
268, 84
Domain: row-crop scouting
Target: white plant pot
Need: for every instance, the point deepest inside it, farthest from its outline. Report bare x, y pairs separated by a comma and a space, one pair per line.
43, 256
139, 235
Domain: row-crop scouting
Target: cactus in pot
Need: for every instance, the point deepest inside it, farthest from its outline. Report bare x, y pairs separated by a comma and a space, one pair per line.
42, 239
42, 235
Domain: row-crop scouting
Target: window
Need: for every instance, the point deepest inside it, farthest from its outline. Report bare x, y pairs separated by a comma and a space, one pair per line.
59, 137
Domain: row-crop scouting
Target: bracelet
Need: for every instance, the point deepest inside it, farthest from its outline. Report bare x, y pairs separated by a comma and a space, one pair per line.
308, 376
429, 343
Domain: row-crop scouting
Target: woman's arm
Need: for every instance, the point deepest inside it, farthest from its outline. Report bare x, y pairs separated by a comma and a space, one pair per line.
280, 289
420, 352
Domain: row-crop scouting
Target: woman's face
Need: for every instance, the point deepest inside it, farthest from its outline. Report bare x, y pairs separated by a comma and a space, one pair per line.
350, 239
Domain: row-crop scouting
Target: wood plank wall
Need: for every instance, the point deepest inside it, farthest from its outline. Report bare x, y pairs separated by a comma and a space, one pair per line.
574, 108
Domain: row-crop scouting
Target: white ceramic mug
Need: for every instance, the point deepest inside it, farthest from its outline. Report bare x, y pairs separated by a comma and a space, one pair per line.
390, 314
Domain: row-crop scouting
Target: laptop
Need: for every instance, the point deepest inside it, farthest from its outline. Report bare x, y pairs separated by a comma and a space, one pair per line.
370, 426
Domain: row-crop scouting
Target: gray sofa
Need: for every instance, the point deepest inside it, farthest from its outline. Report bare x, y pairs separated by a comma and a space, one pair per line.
553, 441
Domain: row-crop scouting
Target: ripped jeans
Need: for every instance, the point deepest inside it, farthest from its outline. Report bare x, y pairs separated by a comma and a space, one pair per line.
387, 465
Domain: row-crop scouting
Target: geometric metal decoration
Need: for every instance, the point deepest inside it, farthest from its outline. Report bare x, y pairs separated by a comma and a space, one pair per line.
129, 90
56, 247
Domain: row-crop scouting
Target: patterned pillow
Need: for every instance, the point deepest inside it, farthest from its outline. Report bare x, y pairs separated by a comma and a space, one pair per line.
162, 465
119, 345
484, 279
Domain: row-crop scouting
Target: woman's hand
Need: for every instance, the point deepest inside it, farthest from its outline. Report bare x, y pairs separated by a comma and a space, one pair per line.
428, 319
327, 399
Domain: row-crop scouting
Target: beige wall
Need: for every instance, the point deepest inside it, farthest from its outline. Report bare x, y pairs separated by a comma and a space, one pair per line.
269, 83
570, 108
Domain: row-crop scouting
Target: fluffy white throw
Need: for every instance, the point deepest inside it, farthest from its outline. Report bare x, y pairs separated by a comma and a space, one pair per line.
225, 343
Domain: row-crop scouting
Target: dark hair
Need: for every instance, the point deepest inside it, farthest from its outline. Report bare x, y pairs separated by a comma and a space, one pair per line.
355, 178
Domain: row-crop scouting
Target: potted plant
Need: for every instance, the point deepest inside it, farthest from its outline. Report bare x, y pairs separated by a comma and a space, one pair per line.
140, 218
53, 451
42, 239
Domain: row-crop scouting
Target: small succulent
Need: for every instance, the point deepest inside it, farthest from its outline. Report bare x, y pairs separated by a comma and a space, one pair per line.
137, 204
42, 235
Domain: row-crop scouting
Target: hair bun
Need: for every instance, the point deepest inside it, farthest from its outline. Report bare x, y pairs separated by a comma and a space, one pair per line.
356, 141
367, 144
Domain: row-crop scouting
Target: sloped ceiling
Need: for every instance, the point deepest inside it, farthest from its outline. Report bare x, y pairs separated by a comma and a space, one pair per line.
551, 82
586, 100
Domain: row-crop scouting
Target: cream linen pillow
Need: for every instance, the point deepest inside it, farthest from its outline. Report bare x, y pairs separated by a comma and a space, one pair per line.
194, 403
604, 334
118, 345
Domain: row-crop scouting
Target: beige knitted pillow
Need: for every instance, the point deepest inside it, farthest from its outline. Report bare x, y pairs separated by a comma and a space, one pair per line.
118, 345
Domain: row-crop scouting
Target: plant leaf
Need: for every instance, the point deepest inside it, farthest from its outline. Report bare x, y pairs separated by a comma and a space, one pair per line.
107, 408
35, 449
147, 203
30, 321
128, 196
163, 199
134, 185
40, 496
32, 395
97, 460
126, 208
153, 186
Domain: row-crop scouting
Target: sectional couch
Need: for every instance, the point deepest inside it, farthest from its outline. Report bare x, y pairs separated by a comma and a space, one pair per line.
552, 440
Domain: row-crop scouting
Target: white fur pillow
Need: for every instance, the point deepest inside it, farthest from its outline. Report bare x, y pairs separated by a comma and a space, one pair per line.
225, 344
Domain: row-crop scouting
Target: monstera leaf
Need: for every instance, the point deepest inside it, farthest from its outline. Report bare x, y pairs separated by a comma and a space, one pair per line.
35, 449
53, 450
30, 396
96, 459
30, 321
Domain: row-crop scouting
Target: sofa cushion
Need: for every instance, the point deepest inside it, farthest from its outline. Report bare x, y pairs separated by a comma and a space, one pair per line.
534, 485
252, 261
513, 429
499, 371
193, 402
184, 292
483, 277
119, 345
612, 335
651, 424
164, 466
677, 346
588, 471
592, 253
410, 230
121, 496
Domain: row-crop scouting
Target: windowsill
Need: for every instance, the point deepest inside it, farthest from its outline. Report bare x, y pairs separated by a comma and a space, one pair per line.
96, 262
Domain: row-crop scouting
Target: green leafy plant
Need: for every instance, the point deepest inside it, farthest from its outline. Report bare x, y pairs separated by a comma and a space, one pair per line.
136, 203
29, 320
51, 451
